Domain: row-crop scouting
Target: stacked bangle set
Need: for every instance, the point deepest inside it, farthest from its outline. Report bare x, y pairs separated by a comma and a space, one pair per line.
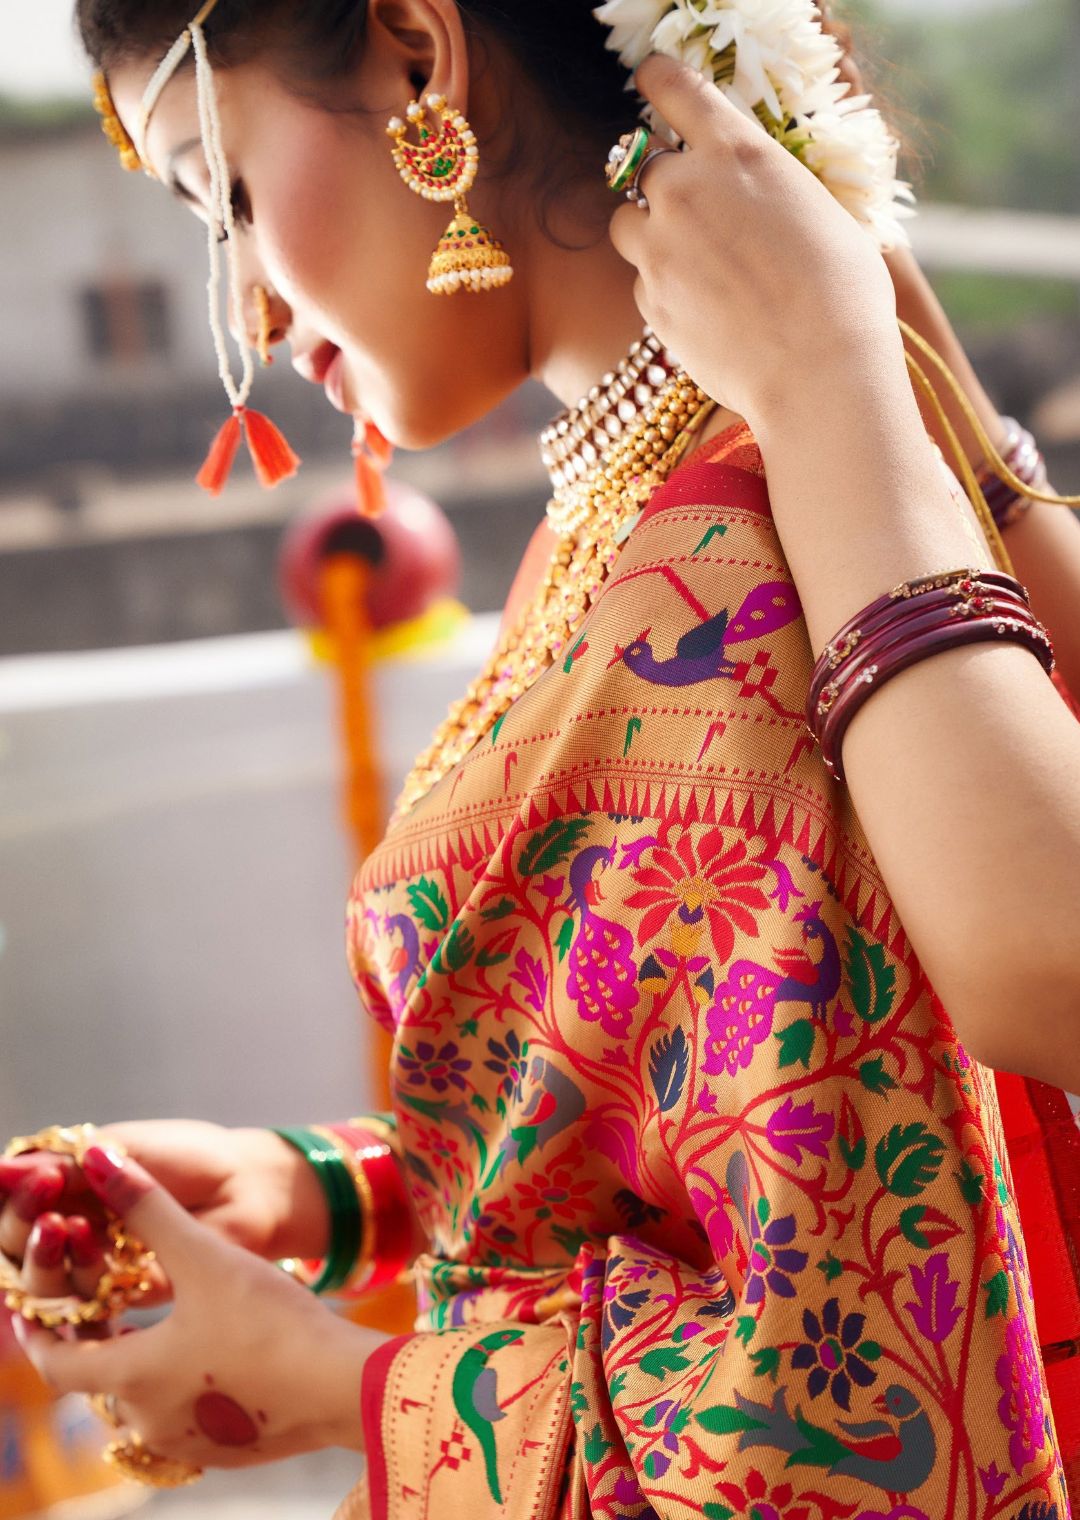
370, 1218
932, 613
919, 618
1021, 453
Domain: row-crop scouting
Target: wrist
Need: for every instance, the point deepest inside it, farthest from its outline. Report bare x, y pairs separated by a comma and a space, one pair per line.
300, 1220
341, 1362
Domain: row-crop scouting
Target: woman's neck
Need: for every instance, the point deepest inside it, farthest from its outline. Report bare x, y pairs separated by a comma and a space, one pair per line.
583, 316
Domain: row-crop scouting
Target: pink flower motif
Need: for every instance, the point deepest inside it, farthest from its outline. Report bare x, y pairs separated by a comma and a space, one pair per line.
1020, 1408
992, 1479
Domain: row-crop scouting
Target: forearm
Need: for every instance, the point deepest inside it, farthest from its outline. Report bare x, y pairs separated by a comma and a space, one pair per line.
1045, 544
977, 828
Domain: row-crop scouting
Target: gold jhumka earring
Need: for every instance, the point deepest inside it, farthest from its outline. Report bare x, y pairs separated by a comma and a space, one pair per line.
442, 166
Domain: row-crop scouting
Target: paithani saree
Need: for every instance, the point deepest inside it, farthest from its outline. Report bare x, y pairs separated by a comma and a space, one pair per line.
722, 1217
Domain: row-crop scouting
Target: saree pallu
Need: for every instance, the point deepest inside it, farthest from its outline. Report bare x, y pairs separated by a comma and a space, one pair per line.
722, 1216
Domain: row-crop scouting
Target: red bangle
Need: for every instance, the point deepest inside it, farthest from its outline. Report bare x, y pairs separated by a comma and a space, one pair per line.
921, 616
1021, 454
386, 1248
971, 589
949, 636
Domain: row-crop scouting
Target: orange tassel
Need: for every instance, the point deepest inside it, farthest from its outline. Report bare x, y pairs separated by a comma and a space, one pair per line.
272, 457
219, 461
370, 490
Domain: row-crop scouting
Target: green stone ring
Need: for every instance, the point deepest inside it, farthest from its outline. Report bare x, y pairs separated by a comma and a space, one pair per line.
626, 158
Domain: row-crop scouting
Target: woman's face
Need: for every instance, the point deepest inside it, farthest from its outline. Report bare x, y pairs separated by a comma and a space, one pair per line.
328, 227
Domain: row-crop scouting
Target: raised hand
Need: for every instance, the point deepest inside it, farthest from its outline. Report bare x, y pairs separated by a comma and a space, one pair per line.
248, 1367
749, 269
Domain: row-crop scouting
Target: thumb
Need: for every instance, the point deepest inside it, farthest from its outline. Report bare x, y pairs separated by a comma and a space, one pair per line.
151, 1213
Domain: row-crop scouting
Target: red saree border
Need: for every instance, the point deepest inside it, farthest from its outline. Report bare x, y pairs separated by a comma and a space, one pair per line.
694, 484
372, 1396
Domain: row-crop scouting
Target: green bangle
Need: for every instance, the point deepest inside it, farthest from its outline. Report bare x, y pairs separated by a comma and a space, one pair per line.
345, 1218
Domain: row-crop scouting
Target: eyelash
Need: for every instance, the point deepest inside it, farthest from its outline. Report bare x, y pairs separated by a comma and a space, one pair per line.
241, 208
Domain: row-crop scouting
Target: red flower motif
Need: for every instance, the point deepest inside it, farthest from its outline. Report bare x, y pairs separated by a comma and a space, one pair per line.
559, 1191
699, 882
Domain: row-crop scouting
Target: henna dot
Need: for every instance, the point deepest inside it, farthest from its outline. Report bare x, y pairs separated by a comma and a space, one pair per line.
224, 1421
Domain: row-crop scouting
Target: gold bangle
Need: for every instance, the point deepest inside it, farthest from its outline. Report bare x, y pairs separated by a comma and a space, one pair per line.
125, 1280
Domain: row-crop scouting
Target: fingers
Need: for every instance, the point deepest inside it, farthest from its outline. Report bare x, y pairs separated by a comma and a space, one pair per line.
691, 104
127, 1189
108, 1365
44, 1265
37, 1191
86, 1252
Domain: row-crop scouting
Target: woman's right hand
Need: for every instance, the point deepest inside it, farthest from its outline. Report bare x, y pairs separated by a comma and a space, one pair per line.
248, 1184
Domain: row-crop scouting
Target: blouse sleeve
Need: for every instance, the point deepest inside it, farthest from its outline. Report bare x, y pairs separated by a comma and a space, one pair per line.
803, 1287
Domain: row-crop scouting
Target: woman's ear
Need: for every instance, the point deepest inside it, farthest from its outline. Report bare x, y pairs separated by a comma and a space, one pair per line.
422, 43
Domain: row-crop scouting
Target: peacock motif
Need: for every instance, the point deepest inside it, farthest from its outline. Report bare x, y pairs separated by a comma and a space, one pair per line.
701, 654
603, 977
742, 1011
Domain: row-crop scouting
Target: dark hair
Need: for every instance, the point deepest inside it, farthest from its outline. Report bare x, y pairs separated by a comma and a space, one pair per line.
558, 44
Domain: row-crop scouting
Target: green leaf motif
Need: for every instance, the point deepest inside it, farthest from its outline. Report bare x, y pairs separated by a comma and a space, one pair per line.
997, 1294
500, 909
873, 980
596, 1447
870, 1351
796, 1043
744, 1328
822, 1447
874, 1077
551, 845
766, 1362
663, 1359
726, 1420
855, 1154
565, 939
831, 1267
908, 1159
717, 1512
456, 950
429, 905
971, 1184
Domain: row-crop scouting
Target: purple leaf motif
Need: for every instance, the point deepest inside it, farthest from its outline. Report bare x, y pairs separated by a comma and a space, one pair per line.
934, 1310
616, 1138
797, 1127
531, 976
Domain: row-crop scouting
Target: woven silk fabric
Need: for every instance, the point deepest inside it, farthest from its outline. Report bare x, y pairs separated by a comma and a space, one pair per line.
721, 1214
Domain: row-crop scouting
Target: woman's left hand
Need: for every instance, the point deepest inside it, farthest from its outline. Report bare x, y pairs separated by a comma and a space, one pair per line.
248, 1367
748, 268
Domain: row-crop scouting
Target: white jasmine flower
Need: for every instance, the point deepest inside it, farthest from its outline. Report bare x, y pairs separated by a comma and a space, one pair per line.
773, 56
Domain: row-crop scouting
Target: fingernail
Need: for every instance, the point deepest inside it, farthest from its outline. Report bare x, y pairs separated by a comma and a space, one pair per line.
38, 1193
83, 1243
48, 1241
117, 1179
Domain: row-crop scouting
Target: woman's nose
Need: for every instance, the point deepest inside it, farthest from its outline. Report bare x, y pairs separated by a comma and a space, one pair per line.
266, 319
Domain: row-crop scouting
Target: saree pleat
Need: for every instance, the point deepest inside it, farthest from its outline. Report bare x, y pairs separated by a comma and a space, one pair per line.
722, 1216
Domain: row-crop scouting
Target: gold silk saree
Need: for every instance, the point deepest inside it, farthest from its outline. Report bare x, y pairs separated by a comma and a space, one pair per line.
722, 1217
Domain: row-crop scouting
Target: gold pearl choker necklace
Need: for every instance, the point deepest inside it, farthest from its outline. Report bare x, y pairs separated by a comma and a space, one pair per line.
579, 441
606, 503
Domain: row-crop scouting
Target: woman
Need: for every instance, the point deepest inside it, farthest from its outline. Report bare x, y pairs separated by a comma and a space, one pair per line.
713, 1204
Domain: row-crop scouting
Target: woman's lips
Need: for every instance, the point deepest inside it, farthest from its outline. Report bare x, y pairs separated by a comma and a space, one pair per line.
334, 382
325, 366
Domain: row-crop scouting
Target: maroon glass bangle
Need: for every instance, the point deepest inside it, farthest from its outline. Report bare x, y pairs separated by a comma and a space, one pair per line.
1021, 454
920, 616
835, 650
889, 611
972, 631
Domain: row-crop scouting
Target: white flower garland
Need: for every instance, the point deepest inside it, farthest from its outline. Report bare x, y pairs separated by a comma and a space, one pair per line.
774, 61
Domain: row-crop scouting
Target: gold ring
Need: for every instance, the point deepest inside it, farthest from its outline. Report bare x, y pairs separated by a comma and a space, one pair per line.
132, 1458
125, 1279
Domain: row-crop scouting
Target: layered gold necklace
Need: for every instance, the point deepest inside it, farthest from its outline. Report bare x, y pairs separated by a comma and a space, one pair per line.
606, 457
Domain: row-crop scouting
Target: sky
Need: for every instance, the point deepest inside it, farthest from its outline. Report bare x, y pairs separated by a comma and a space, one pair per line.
39, 56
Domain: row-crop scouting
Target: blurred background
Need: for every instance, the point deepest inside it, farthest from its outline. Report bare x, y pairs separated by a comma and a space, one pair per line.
174, 855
